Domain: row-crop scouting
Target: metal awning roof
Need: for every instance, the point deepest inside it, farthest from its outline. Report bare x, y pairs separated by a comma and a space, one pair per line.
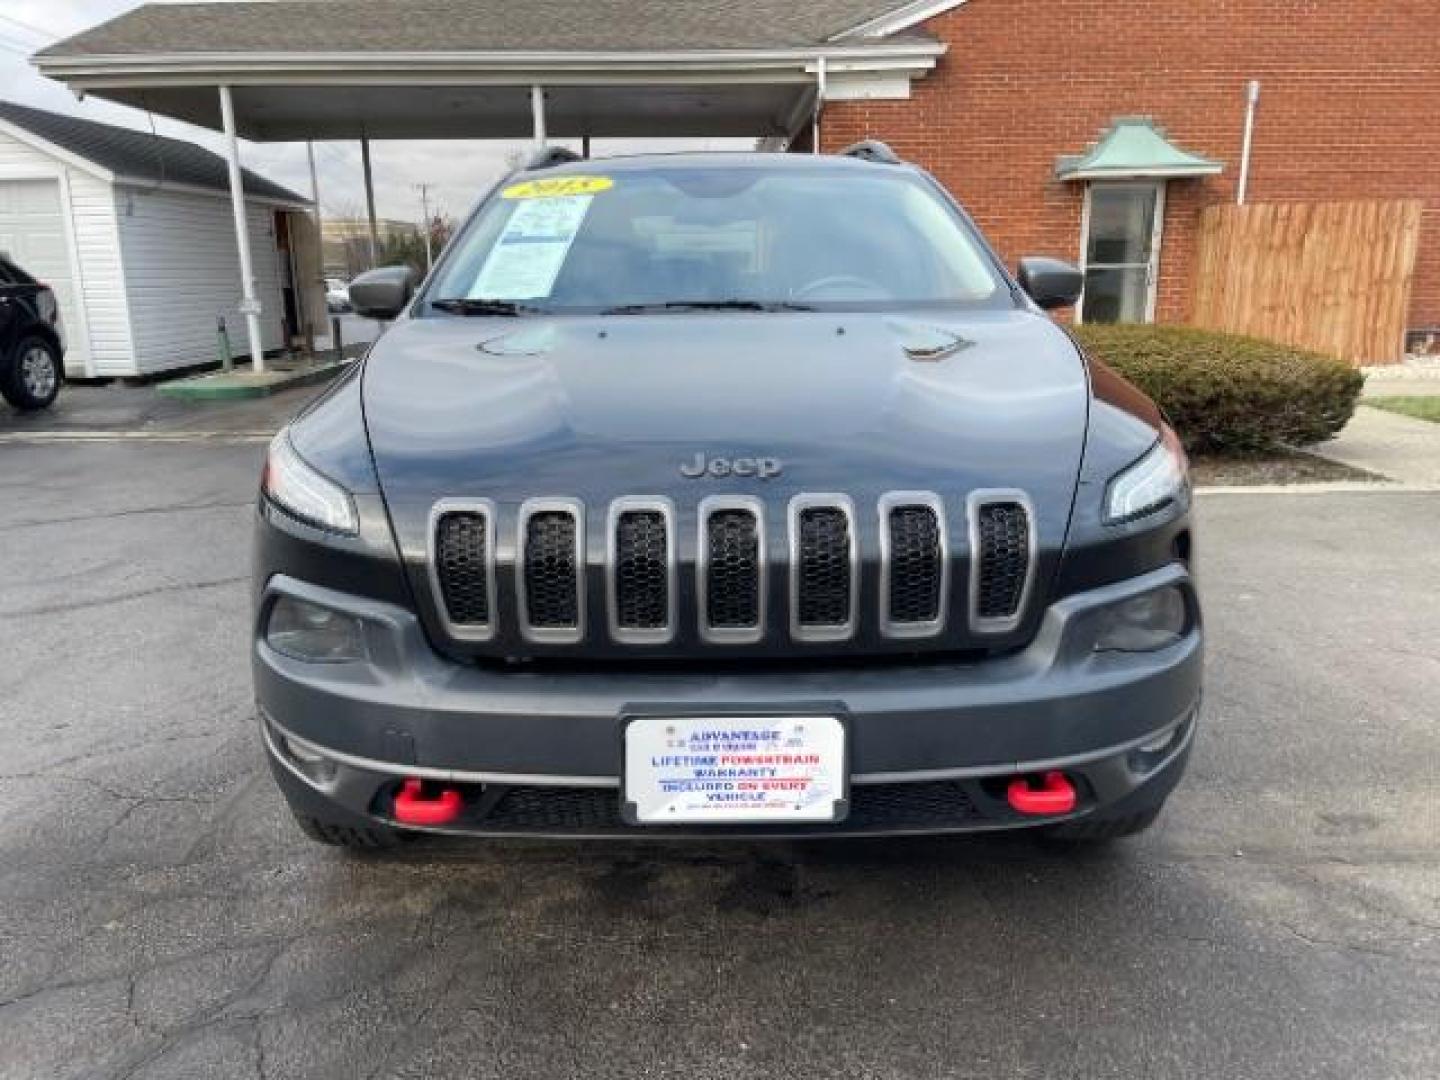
337, 69
1134, 147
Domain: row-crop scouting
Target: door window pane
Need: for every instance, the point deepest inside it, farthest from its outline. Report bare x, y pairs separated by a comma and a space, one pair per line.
1122, 223
1115, 294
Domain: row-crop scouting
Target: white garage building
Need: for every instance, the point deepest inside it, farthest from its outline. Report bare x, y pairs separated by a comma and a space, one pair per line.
135, 234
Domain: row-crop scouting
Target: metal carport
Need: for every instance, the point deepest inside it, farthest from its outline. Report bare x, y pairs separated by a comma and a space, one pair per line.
476, 69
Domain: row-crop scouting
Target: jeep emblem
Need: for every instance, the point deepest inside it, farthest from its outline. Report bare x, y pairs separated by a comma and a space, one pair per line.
719, 467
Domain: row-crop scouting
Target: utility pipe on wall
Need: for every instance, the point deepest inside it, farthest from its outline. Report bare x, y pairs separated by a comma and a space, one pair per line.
1252, 98
250, 303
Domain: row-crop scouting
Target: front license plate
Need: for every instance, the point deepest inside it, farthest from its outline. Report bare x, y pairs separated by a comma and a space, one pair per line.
727, 769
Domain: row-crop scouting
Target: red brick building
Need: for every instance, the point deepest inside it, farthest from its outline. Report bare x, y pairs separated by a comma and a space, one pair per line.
1016, 105
1348, 108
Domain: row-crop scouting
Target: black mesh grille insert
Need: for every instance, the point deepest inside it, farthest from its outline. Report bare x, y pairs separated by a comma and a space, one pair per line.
642, 585
1003, 559
915, 564
732, 586
823, 581
551, 600
461, 547
935, 804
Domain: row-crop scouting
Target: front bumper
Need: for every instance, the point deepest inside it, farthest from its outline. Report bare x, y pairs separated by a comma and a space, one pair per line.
538, 752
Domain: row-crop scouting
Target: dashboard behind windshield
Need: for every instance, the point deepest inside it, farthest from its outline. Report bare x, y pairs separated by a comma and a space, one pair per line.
728, 236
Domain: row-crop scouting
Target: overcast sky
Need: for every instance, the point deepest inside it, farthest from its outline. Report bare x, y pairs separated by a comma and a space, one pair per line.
456, 178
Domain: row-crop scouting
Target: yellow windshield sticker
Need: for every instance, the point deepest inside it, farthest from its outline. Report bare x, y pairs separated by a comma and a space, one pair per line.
555, 187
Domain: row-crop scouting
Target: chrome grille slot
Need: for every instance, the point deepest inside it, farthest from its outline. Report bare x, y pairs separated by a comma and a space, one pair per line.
551, 567
462, 566
640, 570
915, 564
823, 568
1002, 535
730, 566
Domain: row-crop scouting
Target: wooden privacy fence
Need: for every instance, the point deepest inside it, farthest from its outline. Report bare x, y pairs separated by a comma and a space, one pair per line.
1331, 276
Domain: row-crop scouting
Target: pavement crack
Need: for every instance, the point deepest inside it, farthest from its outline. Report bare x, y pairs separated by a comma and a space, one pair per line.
1311, 941
140, 511
120, 598
138, 798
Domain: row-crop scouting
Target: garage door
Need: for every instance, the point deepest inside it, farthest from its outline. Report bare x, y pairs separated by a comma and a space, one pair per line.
32, 234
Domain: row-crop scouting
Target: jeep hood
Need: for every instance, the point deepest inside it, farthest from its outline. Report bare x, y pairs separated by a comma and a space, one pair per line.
594, 408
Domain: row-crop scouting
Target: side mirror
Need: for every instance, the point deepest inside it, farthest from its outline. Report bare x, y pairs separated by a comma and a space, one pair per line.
382, 293
1049, 282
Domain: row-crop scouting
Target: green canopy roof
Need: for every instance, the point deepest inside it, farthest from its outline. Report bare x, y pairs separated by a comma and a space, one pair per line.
1133, 147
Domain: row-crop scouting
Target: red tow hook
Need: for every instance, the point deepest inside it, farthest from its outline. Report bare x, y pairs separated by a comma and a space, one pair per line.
413, 807
1057, 796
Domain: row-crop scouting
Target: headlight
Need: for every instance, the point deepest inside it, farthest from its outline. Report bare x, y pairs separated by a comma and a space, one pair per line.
1152, 482
306, 631
303, 492
1143, 623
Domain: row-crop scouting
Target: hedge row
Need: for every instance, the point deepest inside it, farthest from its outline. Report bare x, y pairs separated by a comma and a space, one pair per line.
1227, 394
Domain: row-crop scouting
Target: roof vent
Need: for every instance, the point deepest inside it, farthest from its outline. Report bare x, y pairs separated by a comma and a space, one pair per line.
552, 155
872, 150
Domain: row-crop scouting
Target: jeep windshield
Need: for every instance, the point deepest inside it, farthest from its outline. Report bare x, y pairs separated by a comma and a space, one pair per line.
632, 240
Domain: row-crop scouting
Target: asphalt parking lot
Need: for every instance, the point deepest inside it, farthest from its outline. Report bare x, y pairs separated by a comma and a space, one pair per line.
160, 916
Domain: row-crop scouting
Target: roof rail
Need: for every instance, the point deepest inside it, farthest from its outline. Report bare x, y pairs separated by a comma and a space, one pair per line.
552, 155
872, 150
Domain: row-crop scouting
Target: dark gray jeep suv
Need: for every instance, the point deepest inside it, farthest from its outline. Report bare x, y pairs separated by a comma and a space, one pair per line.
725, 495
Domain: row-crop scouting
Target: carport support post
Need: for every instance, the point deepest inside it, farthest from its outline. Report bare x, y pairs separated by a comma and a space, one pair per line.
370, 200
319, 239
250, 304
537, 115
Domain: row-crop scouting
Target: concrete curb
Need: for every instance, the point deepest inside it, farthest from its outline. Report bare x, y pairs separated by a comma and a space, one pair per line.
236, 385
8, 437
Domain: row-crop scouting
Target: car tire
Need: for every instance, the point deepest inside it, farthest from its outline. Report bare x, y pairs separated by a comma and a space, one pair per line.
364, 838
1089, 831
32, 378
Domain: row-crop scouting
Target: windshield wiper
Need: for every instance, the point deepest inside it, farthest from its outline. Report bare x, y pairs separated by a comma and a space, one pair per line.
465, 305
707, 305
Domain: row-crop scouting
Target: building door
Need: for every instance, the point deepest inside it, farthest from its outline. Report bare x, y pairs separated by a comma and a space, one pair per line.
1120, 250
32, 234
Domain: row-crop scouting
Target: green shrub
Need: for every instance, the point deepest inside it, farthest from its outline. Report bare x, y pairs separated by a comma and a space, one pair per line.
1228, 394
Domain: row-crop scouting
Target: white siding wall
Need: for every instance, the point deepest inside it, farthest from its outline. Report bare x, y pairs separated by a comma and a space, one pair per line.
182, 270
99, 276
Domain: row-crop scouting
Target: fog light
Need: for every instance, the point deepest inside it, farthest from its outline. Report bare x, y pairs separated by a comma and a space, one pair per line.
313, 764
307, 631
1143, 623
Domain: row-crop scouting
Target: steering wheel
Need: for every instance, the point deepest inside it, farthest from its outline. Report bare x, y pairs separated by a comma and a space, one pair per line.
865, 286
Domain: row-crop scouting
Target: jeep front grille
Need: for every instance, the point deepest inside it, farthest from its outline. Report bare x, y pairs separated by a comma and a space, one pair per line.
641, 570
552, 565
824, 568
903, 549
1003, 541
916, 556
731, 571
462, 566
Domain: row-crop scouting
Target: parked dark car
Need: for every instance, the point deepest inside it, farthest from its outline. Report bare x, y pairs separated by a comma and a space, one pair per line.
32, 343
725, 495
